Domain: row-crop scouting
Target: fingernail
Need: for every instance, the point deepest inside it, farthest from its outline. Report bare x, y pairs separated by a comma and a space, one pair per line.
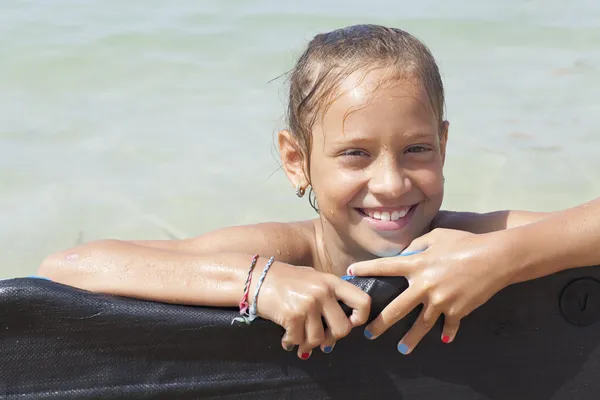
349, 271
446, 339
368, 334
305, 356
289, 347
39, 277
410, 253
402, 348
328, 349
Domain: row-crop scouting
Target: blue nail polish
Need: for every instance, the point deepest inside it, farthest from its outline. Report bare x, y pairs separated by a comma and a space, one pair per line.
402, 348
328, 349
368, 334
410, 253
39, 277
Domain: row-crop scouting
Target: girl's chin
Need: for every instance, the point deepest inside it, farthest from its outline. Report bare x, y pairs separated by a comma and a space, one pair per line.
387, 253
389, 246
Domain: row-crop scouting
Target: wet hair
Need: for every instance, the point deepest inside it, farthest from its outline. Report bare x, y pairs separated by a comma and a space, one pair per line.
333, 56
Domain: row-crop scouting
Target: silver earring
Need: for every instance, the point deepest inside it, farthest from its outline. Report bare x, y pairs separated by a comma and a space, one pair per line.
300, 190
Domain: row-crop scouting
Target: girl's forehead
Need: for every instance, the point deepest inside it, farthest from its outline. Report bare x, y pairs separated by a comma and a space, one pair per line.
362, 85
373, 100
376, 89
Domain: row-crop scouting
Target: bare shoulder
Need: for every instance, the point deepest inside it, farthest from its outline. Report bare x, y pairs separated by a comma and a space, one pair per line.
289, 242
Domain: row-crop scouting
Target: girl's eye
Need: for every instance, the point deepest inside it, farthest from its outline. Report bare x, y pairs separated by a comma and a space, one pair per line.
418, 149
354, 153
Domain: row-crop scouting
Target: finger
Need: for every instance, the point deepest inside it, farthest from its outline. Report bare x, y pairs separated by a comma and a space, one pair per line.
417, 246
422, 243
399, 308
450, 330
339, 325
329, 342
388, 266
355, 298
422, 325
294, 334
314, 334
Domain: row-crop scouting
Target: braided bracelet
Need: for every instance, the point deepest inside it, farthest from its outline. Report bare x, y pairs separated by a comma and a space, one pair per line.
251, 316
252, 313
244, 301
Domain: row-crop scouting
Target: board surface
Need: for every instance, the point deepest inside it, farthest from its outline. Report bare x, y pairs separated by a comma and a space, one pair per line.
535, 340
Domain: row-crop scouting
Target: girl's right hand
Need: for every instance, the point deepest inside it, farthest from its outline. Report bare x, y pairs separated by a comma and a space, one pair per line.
298, 298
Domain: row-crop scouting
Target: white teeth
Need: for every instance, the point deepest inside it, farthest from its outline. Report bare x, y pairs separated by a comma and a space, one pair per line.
387, 216
400, 214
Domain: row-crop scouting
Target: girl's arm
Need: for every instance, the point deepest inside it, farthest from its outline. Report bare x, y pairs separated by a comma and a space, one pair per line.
130, 270
207, 270
568, 239
211, 270
288, 242
486, 222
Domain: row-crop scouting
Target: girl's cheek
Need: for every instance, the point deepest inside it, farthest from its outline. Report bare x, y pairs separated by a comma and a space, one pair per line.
430, 179
350, 182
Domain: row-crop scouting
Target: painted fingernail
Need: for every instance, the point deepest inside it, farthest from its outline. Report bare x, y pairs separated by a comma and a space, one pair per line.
39, 277
328, 349
410, 253
289, 347
402, 348
446, 339
349, 271
368, 334
305, 356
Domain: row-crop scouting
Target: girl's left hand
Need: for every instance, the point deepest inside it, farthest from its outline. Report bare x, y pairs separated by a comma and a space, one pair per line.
454, 273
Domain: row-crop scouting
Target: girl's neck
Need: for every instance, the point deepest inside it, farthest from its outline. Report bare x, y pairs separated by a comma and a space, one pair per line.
333, 255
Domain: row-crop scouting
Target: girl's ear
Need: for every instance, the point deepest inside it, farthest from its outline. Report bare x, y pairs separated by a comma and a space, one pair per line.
293, 160
444, 139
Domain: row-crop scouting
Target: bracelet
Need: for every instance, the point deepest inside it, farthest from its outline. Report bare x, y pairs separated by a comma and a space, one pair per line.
252, 313
244, 301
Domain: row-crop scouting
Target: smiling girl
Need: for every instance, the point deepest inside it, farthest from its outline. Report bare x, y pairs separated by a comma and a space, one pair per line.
367, 138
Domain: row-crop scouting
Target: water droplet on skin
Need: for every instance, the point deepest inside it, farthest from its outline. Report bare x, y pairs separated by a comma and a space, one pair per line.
72, 257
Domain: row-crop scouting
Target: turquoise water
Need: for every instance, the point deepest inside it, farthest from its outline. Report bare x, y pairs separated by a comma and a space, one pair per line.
150, 119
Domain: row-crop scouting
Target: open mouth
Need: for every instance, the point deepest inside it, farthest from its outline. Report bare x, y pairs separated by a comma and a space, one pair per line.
386, 219
391, 215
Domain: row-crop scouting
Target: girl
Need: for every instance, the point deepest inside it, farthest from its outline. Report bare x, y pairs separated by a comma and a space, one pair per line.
367, 138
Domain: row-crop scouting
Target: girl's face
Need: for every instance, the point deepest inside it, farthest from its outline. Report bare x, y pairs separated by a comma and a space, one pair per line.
376, 165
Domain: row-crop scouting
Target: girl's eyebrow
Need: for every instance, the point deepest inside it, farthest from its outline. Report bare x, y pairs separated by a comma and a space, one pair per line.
419, 134
361, 140
351, 141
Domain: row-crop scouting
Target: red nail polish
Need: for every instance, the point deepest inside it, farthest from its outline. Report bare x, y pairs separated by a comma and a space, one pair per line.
304, 356
349, 271
446, 339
